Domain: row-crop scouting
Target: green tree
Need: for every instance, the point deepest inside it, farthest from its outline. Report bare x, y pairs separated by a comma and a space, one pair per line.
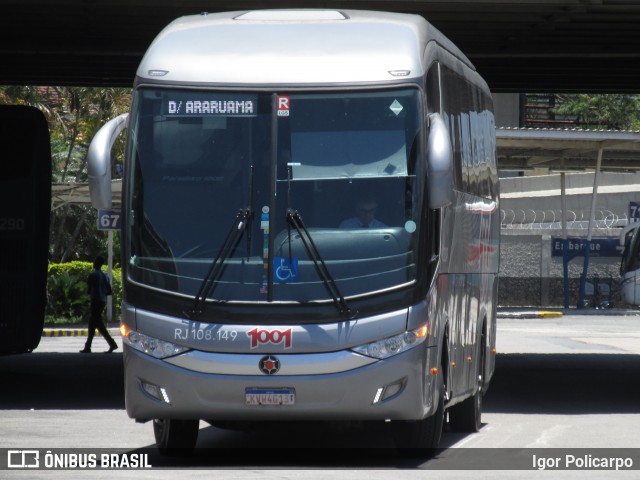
601, 111
74, 115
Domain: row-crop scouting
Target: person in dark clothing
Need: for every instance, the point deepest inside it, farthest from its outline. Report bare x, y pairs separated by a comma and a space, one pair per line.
98, 288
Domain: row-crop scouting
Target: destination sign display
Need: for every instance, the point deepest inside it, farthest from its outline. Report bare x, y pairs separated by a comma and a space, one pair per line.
199, 104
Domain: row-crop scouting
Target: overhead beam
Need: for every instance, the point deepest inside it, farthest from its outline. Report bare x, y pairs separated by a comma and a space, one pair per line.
529, 46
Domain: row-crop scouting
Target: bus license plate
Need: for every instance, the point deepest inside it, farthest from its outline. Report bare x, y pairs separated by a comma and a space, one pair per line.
274, 396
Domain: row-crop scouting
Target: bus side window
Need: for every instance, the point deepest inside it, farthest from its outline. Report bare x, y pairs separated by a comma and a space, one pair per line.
433, 89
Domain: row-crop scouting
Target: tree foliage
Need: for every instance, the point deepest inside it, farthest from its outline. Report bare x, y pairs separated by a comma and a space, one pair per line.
601, 111
67, 290
74, 115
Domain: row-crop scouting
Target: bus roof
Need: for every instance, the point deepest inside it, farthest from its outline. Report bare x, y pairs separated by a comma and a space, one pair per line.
291, 47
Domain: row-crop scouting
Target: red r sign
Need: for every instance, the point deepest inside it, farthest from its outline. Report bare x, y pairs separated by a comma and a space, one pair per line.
284, 103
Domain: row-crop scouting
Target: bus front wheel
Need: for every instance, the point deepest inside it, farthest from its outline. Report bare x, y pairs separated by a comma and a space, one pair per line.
421, 437
175, 437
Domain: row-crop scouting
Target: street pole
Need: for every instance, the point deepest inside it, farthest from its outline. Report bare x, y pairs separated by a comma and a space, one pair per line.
587, 243
110, 273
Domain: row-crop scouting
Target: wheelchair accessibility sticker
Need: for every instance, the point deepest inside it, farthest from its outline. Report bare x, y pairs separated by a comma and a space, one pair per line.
285, 269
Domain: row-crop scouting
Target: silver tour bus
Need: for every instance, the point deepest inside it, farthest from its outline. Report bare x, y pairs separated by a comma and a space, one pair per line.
310, 225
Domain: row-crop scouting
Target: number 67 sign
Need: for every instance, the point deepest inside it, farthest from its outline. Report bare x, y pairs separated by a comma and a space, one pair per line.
109, 219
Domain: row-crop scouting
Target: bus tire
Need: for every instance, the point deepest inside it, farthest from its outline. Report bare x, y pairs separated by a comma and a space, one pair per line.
467, 416
420, 438
175, 437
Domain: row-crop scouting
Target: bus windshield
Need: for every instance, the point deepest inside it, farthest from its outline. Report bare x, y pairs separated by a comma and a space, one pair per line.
345, 163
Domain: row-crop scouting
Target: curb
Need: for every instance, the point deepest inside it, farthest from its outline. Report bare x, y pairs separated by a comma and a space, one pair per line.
530, 314
546, 314
65, 332
75, 332
516, 313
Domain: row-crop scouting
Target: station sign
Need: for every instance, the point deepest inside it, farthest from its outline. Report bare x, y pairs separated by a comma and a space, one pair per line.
600, 247
634, 211
109, 219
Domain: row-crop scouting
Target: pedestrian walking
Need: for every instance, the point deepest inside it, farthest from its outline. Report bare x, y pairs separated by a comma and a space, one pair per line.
98, 288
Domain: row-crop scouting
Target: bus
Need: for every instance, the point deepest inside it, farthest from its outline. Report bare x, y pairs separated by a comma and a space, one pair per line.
256, 142
25, 204
630, 264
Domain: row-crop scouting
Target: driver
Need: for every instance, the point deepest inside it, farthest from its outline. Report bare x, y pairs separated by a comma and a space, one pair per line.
365, 215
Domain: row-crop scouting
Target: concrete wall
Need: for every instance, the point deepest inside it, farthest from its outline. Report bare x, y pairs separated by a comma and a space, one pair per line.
531, 214
531, 277
506, 108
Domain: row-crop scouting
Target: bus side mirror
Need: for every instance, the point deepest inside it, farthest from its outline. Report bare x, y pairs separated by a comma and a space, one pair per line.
439, 163
99, 161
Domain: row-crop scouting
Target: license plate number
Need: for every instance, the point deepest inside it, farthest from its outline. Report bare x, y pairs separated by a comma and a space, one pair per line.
274, 396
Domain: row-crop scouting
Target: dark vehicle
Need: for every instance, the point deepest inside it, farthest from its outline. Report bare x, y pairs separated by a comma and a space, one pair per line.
25, 204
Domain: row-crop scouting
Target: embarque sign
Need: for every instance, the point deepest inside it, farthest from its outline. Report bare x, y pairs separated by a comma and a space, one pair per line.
600, 247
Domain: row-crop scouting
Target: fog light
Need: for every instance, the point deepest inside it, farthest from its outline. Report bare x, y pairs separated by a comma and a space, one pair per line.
159, 393
392, 390
388, 391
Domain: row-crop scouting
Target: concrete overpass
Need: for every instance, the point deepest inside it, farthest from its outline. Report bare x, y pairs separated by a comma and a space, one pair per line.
518, 46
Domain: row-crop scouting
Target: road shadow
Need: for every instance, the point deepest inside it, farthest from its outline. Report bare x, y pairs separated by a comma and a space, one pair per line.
523, 383
565, 384
52, 381
315, 446
299, 445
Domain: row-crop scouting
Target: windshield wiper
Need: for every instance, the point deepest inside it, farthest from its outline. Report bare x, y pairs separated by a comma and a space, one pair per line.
295, 220
228, 248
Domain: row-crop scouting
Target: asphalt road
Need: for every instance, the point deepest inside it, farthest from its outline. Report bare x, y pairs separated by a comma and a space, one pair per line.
569, 382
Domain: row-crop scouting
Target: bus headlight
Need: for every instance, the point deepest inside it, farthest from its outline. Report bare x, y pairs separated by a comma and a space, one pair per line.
391, 346
152, 346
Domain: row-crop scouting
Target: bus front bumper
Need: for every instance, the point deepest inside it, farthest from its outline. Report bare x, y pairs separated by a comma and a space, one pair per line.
397, 388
